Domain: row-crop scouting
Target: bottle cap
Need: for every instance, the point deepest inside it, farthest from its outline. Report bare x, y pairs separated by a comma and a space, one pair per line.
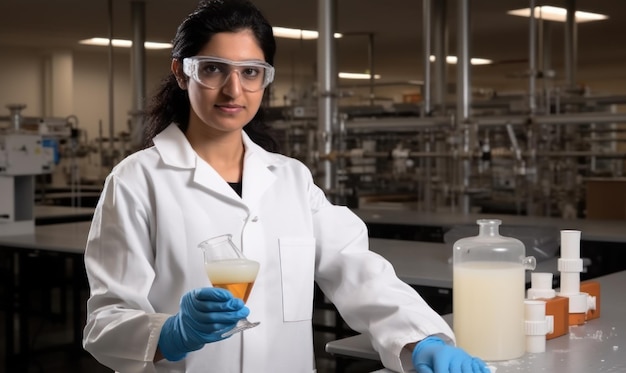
541, 286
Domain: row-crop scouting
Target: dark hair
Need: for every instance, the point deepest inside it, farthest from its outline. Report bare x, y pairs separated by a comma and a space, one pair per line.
171, 104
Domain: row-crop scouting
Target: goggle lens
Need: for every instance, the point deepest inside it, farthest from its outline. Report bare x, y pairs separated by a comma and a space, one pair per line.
213, 72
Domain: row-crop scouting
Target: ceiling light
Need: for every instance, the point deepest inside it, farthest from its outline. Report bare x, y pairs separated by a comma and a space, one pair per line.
552, 13
357, 76
292, 33
124, 43
475, 61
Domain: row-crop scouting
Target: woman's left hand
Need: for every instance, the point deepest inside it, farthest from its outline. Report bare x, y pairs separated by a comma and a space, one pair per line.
433, 355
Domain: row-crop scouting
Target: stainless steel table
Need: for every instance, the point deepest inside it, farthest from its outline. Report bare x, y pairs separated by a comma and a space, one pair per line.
597, 346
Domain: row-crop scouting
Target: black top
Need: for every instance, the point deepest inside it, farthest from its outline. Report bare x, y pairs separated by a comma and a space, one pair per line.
236, 187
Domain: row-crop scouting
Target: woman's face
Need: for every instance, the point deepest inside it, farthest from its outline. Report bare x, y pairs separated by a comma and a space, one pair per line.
230, 107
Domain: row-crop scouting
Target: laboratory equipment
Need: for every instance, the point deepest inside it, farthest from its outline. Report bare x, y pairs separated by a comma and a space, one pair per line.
570, 265
22, 156
229, 269
592, 288
540, 241
488, 293
556, 306
536, 325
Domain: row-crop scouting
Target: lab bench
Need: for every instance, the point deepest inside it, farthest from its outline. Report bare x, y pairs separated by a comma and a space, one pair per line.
89, 199
603, 242
426, 266
596, 346
591, 230
55, 214
58, 249
429, 263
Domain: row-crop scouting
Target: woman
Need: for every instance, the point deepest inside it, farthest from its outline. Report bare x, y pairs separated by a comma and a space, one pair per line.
211, 171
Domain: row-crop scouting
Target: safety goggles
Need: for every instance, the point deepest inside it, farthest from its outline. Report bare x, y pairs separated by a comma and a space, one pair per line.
214, 72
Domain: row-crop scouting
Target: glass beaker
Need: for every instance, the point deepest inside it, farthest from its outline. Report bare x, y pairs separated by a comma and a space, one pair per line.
229, 269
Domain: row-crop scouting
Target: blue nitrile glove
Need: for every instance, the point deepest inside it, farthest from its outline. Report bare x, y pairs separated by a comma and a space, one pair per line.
433, 355
205, 314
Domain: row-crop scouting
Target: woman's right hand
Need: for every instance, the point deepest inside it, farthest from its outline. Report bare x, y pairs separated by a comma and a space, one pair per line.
204, 314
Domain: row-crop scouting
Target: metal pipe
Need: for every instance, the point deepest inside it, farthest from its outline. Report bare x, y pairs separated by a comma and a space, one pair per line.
440, 47
539, 40
476, 155
546, 48
505, 102
571, 41
396, 124
111, 95
415, 123
546, 63
532, 58
426, 42
575, 154
327, 82
531, 165
370, 55
428, 195
381, 84
138, 70
387, 155
463, 63
440, 84
513, 139
463, 99
562, 119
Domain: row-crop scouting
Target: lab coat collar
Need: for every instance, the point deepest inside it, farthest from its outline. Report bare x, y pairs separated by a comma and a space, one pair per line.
174, 148
258, 175
176, 151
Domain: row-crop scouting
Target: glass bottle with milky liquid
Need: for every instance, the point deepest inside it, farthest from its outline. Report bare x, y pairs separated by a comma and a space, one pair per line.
488, 293
229, 269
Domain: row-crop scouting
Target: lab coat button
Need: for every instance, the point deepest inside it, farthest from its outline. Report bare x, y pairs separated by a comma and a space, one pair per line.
255, 219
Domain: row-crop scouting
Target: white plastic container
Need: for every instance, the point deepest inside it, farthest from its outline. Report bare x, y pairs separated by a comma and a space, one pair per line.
488, 293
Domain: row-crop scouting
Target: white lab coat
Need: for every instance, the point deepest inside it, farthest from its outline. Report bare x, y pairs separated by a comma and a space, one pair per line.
142, 256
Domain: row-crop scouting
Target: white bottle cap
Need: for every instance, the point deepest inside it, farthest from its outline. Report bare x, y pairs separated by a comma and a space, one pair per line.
534, 310
541, 286
536, 325
570, 244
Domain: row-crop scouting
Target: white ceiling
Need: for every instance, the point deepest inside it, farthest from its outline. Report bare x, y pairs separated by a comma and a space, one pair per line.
395, 24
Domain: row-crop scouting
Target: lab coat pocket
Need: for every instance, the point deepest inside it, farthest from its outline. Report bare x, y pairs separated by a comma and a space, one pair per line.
297, 265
